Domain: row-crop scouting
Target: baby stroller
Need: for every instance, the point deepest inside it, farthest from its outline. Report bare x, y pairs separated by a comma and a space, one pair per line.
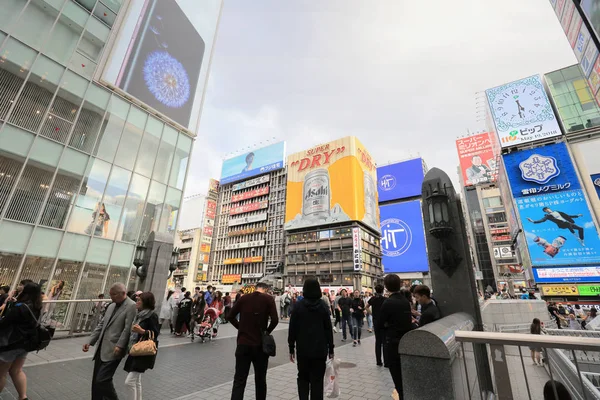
209, 326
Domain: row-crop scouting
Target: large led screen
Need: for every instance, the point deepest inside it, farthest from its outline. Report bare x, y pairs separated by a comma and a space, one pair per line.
400, 180
162, 53
253, 163
403, 238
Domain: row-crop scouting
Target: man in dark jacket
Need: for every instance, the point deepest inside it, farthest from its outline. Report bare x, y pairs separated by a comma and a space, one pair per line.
375, 304
429, 310
395, 320
254, 310
344, 306
310, 335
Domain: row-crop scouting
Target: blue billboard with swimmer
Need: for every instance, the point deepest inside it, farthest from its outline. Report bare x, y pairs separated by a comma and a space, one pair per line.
253, 163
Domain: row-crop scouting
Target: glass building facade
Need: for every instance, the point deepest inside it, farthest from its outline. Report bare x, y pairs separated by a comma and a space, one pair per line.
573, 99
84, 173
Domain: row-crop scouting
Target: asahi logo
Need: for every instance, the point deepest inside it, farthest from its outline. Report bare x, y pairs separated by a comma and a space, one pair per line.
315, 192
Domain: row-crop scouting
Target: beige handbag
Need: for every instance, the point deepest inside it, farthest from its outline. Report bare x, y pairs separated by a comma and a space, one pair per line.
144, 347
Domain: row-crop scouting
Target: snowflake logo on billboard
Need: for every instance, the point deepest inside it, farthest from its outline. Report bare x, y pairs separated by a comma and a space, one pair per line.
396, 237
387, 183
539, 169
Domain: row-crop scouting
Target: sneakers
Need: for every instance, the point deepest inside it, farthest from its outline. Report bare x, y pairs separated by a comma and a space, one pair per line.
354, 344
335, 329
358, 341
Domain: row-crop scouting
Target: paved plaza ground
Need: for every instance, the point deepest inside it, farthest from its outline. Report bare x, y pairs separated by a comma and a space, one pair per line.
186, 371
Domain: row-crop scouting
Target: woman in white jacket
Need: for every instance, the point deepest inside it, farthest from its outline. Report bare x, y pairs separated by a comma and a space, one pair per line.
166, 310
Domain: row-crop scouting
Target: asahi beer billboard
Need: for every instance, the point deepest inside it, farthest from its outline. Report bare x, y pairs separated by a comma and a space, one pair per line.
332, 182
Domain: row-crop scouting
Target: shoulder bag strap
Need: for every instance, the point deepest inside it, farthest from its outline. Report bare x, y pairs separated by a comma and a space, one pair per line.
37, 321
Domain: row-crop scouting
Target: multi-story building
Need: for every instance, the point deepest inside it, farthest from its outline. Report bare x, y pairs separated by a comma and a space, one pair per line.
248, 232
332, 217
87, 170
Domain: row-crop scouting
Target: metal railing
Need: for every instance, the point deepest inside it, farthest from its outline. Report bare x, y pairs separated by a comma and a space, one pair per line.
66, 318
558, 366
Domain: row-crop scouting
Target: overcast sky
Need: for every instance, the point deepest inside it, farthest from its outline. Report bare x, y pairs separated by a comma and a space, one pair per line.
400, 75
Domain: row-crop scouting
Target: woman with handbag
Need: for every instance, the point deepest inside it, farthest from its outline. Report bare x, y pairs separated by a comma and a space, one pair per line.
143, 343
18, 323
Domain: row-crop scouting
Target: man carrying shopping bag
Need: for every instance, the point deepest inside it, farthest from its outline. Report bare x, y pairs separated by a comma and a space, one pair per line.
310, 336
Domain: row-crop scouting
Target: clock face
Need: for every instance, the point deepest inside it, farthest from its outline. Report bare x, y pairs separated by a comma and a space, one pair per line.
519, 104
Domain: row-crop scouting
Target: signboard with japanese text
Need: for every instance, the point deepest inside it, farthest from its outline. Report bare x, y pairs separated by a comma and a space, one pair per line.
574, 28
246, 260
522, 112
247, 231
256, 162
559, 229
247, 219
208, 231
559, 7
572, 274
356, 249
594, 78
245, 245
252, 276
477, 160
503, 252
567, 15
589, 290
231, 278
559, 290
259, 205
547, 169
581, 43
589, 59
250, 194
250, 183
205, 248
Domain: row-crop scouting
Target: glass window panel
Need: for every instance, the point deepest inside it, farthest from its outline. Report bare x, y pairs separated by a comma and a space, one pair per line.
64, 107
134, 207
14, 236
37, 94
110, 133
30, 192
35, 24
15, 61
37, 269
84, 212
9, 170
131, 138
82, 65
91, 280
45, 243
154, 206
114, 199
65, 275
99, 251
11, 9
149, 147
16, 140
74, 247
65, 35
9, 265
90, 119
87, 4
165, 155
46, 151
117, 274
93, 40
105, 14
180, 161
114, 5
173, 200
64, 189
122, 255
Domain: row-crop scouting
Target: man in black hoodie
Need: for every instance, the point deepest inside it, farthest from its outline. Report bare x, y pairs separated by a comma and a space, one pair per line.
395, 319
310, 336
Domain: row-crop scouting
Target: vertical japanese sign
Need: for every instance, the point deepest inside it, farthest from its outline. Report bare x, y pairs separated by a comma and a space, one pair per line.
477, 161
356, 249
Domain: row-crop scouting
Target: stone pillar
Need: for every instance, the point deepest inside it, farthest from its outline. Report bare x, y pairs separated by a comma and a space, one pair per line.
159, 248
450, 265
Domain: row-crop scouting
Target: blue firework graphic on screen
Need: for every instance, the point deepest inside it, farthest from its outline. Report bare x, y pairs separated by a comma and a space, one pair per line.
167, 79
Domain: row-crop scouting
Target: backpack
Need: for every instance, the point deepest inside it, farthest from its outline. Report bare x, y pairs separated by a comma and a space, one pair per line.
40, 339
287, 300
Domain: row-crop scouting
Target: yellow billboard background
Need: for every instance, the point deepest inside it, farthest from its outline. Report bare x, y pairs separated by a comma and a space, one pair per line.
351, 172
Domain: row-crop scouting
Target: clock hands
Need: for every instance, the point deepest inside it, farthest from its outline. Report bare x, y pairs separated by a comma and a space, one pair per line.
521, 109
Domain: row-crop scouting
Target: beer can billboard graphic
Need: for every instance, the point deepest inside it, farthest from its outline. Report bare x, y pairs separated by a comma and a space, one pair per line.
332, 182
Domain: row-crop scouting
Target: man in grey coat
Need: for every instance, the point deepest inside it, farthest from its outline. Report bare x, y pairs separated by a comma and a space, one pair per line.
112, 334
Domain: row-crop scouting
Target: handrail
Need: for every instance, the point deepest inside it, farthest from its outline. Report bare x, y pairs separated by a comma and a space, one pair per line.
77, 301
521, 339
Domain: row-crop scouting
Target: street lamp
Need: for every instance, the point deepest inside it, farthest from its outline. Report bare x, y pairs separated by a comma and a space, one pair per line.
174, 259
138, 260
440, 222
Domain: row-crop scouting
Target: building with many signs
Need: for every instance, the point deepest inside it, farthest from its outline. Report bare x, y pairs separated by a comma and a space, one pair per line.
402, 233
248, 233
332, 217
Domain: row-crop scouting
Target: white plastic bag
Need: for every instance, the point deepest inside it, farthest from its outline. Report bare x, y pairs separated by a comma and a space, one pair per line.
331, 384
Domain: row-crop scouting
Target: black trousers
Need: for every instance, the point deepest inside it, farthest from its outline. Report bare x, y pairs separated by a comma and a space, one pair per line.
181, 320
338, 317
102, 381
378, 343
311, 372
392, 361
244, 356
